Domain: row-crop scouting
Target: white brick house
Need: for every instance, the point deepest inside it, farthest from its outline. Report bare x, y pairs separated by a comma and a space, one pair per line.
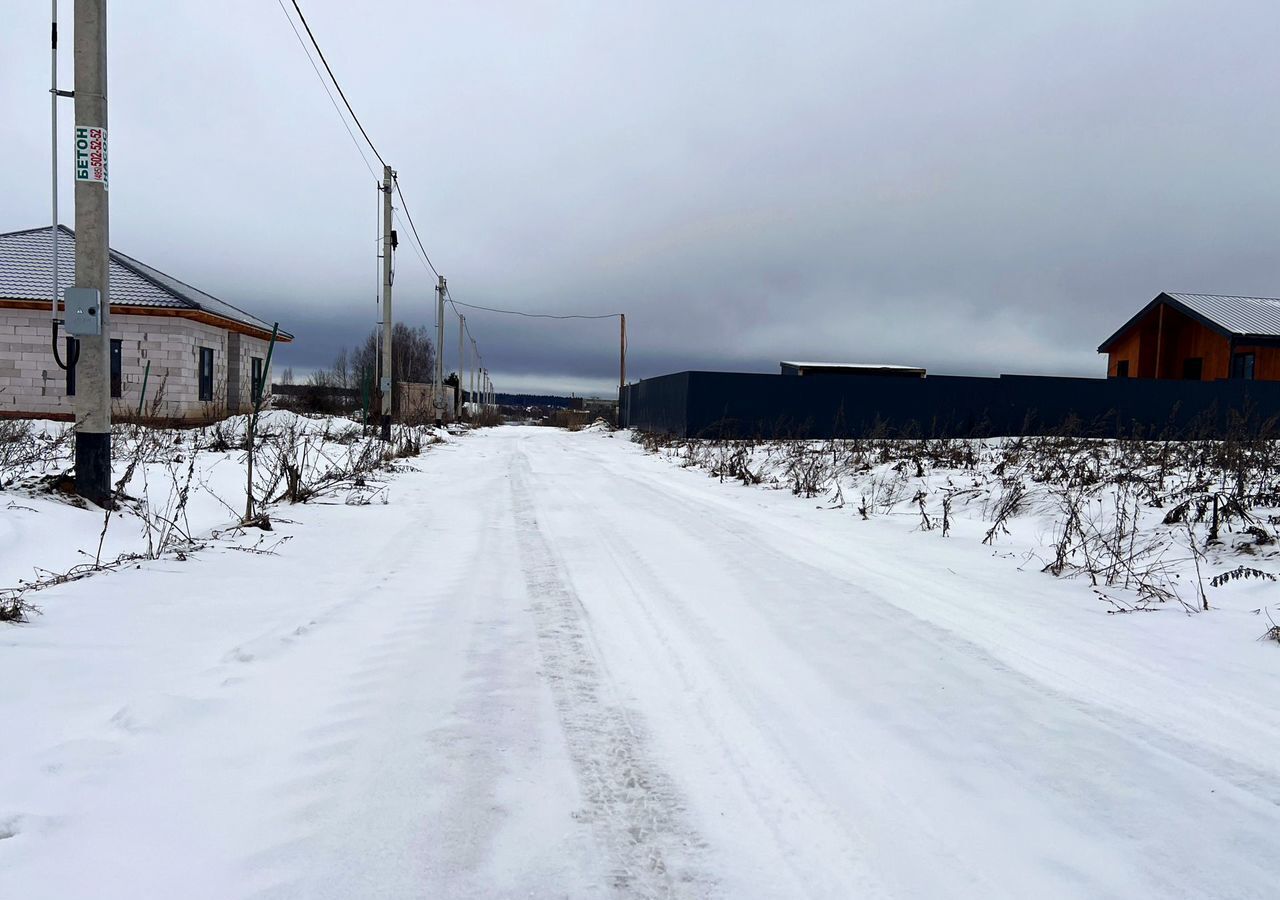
203, 352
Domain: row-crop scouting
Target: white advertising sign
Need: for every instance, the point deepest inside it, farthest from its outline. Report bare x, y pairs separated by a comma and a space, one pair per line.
91, 154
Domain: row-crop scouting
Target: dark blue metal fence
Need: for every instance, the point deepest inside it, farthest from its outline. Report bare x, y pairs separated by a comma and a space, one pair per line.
729, 404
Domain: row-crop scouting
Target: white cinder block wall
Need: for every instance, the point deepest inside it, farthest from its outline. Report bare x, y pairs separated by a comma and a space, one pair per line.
29, 379
172, 346
31, 382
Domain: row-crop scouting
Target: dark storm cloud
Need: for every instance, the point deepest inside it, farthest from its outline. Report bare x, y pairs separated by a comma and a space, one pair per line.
973, 186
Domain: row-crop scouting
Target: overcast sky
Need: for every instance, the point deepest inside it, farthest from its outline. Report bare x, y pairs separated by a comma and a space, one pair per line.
975, 187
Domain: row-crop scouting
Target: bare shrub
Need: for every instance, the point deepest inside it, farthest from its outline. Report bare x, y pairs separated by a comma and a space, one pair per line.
13, 607
1272, 633
1006, 507
1145, 520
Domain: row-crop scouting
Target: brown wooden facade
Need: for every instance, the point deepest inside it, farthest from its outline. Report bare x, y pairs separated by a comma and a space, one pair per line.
1166, 342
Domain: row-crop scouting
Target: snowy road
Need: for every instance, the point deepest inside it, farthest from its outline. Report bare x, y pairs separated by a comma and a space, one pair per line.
556, 667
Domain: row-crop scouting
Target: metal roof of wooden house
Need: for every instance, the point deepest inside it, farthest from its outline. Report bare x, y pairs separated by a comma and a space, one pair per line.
1234, 317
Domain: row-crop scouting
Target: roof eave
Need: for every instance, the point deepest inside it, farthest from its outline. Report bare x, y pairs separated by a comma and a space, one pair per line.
1262, 340
1181, 307
176, 312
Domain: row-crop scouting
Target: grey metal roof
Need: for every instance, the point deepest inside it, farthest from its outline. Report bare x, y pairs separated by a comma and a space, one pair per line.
1248, 317
1238, 315
26, 273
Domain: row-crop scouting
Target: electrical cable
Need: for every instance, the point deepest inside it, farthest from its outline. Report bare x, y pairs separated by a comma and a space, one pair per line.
404, 204
354, 117
529, 315
325, 85
419, 247
416, 250
73, 351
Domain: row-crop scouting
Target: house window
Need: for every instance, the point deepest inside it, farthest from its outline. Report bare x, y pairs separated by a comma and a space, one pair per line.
255, 381
1122, 369
206, 373
1242, 366
117, 367
1192, 368
72, 353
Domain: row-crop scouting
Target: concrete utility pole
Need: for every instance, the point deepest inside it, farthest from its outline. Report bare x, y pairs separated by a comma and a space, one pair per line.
475, 361
457, 397
439, 400
622, 373
385, 383
93, 369
53, 99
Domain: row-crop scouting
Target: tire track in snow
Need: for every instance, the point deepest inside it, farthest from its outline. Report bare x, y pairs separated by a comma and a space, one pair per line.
764, 558
631, 804
1098, 739
830, 860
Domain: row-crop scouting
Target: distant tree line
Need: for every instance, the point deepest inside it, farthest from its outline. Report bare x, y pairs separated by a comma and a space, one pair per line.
353, 378
413, 359
549, 401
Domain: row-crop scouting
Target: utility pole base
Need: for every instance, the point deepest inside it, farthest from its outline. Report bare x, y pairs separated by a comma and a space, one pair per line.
386, 428
93, 467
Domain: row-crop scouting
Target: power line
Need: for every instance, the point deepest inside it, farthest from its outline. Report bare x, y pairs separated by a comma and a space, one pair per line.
423, 256
465, 326
324, 84
404, 204
420, 248
529, 315
414, 246
334, 78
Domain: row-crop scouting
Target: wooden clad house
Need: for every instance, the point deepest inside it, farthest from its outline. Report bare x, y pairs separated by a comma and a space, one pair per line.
1198, 337
177, 352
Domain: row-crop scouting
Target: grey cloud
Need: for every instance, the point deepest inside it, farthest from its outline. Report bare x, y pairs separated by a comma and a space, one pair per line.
976, 187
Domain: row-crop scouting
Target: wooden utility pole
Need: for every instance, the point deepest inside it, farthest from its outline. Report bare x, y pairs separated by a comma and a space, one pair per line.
385, 382
93, 367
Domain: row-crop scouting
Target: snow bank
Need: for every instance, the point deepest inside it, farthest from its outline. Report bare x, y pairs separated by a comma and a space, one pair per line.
1146, 524
177, 488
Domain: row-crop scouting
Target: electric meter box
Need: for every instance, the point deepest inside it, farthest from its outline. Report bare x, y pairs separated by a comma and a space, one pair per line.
82, 317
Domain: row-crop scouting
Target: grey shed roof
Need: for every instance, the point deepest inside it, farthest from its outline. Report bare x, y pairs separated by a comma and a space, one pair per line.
26, 273
1240, 317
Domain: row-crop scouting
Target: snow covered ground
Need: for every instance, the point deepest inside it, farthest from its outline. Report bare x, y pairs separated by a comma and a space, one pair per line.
554, 665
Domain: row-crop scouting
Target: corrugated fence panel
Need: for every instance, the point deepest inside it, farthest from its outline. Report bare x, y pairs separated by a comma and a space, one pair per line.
659, 404
710, 404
